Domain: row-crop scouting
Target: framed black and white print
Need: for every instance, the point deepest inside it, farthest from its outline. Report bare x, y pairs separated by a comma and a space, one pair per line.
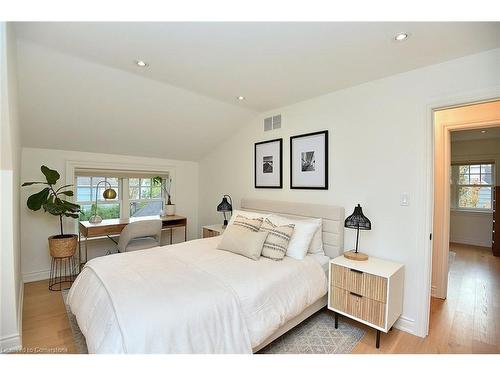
268, 160
309, 161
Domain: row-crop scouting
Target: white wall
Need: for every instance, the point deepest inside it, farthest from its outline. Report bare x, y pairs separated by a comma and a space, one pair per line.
379, 138
471, 228
38, 226
10, 159
474, 228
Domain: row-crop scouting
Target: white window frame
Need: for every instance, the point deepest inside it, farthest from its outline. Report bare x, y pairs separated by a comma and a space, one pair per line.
72, 166
100, 201
126, 181
456, 185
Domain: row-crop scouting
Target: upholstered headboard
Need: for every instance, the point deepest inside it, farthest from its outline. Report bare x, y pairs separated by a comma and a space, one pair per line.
333, 219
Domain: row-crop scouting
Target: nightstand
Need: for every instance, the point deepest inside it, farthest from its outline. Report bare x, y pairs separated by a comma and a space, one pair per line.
212, 230
369, 291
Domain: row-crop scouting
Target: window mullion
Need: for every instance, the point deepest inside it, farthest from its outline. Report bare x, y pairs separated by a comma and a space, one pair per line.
125, 210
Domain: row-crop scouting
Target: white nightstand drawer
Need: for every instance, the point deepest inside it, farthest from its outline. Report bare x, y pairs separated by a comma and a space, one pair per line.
359, 306
212, 230
359, 282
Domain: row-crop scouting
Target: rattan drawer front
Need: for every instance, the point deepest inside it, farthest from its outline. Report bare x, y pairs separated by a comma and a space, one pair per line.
358, 306
362, 283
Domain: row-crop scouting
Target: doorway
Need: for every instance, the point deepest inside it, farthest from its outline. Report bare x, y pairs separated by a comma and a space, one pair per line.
474, 118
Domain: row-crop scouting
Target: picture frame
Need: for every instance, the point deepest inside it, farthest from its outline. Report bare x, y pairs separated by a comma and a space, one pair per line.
268, 164
309, 161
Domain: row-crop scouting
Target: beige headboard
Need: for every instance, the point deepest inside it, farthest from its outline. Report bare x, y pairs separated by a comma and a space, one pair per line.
333, 219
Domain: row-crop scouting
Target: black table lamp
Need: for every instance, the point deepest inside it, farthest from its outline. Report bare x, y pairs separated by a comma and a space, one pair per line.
224, 207
357, 221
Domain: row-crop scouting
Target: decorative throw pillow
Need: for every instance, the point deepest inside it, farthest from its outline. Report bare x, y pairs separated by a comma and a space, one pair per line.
242, 241
276, 243
251, 224
247, 214
304, 230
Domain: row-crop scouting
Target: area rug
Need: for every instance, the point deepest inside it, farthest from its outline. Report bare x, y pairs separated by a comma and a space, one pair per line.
315, 335
78, 337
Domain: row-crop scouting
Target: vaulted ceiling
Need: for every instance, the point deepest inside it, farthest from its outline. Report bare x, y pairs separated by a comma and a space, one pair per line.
80, 89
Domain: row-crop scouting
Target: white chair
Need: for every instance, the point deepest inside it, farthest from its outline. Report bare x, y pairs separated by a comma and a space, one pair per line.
140, 235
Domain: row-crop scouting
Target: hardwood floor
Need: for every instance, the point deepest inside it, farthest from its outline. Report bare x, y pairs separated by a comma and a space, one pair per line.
45, 323
468, 321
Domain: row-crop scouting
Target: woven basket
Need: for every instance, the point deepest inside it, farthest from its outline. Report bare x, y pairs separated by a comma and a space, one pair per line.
63, 247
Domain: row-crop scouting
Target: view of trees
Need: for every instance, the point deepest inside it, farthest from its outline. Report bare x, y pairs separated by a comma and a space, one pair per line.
106, 211
474, 186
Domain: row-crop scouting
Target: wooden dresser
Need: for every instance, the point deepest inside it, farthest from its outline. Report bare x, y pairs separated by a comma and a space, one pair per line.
368, 291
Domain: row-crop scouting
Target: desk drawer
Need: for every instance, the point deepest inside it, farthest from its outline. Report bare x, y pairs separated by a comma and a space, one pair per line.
362, 283
104, 230
358, 306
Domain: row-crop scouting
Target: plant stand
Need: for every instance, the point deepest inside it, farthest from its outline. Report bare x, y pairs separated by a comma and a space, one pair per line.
63, 271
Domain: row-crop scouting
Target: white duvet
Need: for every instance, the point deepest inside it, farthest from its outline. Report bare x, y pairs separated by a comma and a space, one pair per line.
190, 298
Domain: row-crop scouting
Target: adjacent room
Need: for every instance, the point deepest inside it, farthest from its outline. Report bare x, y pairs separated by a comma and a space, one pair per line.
249, 188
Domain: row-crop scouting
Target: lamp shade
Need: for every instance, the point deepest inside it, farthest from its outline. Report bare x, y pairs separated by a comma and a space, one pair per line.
224, 206
357, 220
109, 194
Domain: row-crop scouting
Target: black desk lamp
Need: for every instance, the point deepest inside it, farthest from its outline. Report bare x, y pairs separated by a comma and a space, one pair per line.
224, 207
357, 221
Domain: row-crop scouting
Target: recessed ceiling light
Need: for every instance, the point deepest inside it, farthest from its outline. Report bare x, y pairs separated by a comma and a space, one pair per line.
399, 37
484, 131
240, 98
141, 63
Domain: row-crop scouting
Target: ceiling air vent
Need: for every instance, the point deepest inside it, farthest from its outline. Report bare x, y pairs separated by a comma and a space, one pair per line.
273, 122
268, 124
277, 122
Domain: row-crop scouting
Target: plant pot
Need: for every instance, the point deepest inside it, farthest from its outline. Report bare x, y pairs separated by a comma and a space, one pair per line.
170, 209
62, 246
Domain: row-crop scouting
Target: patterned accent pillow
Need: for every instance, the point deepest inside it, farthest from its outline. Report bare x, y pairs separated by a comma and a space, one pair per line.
252, 224
277, 240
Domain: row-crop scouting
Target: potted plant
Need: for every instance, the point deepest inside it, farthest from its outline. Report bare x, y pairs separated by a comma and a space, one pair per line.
60, 245
166, 185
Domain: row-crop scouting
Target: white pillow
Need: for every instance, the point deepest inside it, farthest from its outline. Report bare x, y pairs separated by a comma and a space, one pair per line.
247, 214
316, 246
302, 234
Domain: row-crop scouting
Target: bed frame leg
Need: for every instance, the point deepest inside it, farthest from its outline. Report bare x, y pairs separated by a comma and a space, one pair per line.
377, 343
336, 320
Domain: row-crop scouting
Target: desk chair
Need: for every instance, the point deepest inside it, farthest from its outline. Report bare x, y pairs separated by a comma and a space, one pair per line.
140, 235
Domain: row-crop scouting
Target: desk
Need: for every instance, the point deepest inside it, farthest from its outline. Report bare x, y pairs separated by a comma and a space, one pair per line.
115, 226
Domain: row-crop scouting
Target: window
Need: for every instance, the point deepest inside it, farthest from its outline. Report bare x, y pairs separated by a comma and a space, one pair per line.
136, 196
472, 186
145, 197
86, 189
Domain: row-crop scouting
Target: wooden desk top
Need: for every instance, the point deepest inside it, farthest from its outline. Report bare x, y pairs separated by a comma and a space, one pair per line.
112, 222
115, 226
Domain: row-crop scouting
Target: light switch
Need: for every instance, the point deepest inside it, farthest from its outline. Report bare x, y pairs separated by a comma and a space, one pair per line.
405, 199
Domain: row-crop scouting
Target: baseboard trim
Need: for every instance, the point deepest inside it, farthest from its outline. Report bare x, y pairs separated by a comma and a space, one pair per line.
407, 325
14, 343
470, 241
433, 290
20, 311
10, 344
29, 277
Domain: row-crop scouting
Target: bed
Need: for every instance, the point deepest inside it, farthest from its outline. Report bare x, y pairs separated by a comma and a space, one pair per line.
192, 298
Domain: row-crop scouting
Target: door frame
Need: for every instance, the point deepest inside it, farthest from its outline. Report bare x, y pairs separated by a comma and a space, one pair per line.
427, 218
442, 162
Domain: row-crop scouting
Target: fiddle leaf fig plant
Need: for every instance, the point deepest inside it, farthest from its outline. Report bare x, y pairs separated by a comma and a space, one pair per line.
51, 199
